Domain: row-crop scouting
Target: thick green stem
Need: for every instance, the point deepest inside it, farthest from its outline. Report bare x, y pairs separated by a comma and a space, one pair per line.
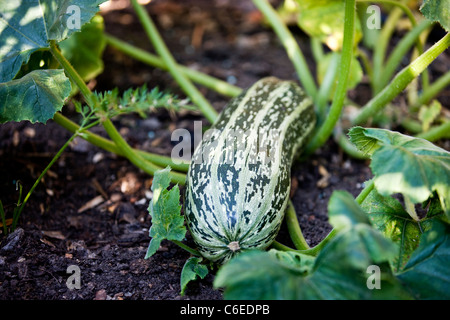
134, 157
162, 50
203, 79
294, 229
326, 129
400, 51
71, 73
292, 49
436, 133
401, 80
110, 146
433, 90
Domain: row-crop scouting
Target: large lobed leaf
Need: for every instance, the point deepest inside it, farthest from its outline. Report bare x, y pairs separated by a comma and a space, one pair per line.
26, 26
437, 10
388, 216
402, 164
35, 97
427, 273
165, 210
339, 271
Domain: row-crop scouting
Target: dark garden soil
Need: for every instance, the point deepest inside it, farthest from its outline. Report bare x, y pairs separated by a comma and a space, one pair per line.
90, 210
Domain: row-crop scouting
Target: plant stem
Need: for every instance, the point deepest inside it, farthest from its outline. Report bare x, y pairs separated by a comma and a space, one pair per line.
400, 51
316, 49
413, 126
366, 62
203, 79
187, 248
294, 229
436, 133
134, 157
432, 90
110, 146
365, 192
162, 50
381, 46
401, 80
326, 86
314, 251
324, 132
292, 49
56, 157
72, 74
280, 246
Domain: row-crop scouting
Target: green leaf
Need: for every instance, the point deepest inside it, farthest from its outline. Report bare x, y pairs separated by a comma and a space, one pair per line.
165, 210
324, 19
427, 273
428, 114
388, 216
257, 275
362, 142
27, 26
402, 164
84, 49
303, 263
35, 97
344, 212
340, 271
437, 10
191, 270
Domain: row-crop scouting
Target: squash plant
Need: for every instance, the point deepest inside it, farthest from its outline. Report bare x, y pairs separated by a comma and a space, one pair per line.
380, 230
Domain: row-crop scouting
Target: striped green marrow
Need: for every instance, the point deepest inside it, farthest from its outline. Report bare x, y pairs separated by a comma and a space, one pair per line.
238, 183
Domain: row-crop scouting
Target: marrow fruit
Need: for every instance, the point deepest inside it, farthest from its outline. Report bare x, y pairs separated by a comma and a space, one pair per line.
238, 183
